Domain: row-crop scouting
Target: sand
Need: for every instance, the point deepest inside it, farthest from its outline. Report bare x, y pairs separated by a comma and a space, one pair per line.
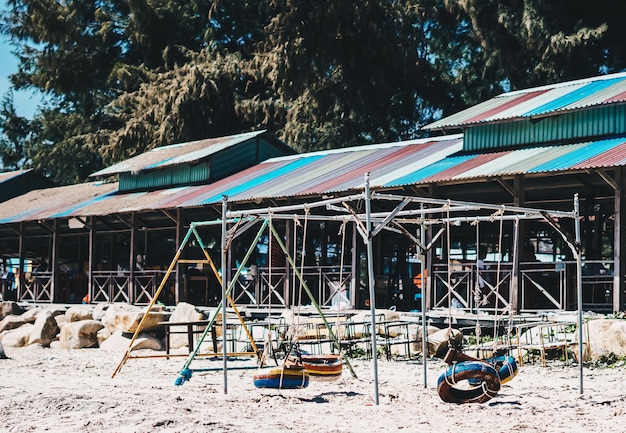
55, 390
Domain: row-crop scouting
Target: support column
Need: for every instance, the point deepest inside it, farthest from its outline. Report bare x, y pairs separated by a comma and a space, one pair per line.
179, 267
133, 259
519, 199
619, 241
21, 262
92, 244
354, 269
53, 261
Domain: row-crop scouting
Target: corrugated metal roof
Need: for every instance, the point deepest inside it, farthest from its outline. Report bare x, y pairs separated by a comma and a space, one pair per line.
8, 175
176, 154
541, 101
416, 162
53, 202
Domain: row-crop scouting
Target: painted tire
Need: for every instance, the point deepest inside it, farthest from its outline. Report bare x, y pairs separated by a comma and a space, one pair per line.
468, 382
506, 367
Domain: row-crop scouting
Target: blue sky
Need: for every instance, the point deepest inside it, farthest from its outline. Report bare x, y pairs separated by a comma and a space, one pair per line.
25, 102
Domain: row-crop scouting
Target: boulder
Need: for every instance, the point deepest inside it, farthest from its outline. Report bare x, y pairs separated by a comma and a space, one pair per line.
183, 312
76, 313
415, 331
119, 342
18, 337
3, 355
76, 335
9, 308
126, 318
29, 316
44, 330
99, 310
11, 322
606, 337
102, 335
438, 342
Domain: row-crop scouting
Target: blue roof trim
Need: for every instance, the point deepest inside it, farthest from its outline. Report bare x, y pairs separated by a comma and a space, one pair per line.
579, 155
574, 96
73, 209
431, 170
253, 183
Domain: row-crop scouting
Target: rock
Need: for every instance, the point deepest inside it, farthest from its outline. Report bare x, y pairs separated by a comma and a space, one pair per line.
119, 342
3, 355
606, 337
11, 322
415, 331
9, 308
18, 337
438, 341
44, 330
61, 319
76, 313
29, 316
126, 317
99, 310
183, 312
76, 335
102, 335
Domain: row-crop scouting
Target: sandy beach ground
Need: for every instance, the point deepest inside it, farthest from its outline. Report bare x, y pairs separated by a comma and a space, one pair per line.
55, 390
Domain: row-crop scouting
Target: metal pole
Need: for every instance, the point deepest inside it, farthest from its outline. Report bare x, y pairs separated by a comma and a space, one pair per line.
579, 289
422, 256
224, 284
370, 276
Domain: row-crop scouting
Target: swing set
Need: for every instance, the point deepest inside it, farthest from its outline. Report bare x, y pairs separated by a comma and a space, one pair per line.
398, 214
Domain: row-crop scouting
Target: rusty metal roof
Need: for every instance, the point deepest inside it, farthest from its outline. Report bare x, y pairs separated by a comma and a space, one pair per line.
182, 153
541, 101
415, 162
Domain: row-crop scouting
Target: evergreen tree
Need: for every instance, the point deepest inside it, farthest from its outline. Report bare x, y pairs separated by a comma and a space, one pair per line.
123, 76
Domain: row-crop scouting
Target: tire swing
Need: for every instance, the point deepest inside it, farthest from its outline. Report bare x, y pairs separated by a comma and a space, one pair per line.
466, 380
505, 365
284, 376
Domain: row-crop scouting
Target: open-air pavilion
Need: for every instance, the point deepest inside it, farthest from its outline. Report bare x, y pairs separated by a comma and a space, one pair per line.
112, 239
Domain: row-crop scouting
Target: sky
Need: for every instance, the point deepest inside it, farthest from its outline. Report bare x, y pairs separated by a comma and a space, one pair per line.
25, 101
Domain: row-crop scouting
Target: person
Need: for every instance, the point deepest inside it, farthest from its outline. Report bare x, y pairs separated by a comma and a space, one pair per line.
10, 278
529, 253
481, 266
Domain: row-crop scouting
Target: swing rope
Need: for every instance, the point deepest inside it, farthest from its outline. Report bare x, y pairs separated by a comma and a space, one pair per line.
496, 317
478, 298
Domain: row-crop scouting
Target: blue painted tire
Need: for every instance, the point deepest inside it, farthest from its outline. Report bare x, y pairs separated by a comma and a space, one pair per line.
468, 382
506, 367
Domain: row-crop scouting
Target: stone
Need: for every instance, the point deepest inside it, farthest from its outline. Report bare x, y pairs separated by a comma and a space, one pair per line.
77, 335
126, 317
44, 330
606, 337
29, 316
183, 312
18, 337
9, 308
102, 335
3, 355
438, 341
11, 322
119, 342
99, 310
77, 313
